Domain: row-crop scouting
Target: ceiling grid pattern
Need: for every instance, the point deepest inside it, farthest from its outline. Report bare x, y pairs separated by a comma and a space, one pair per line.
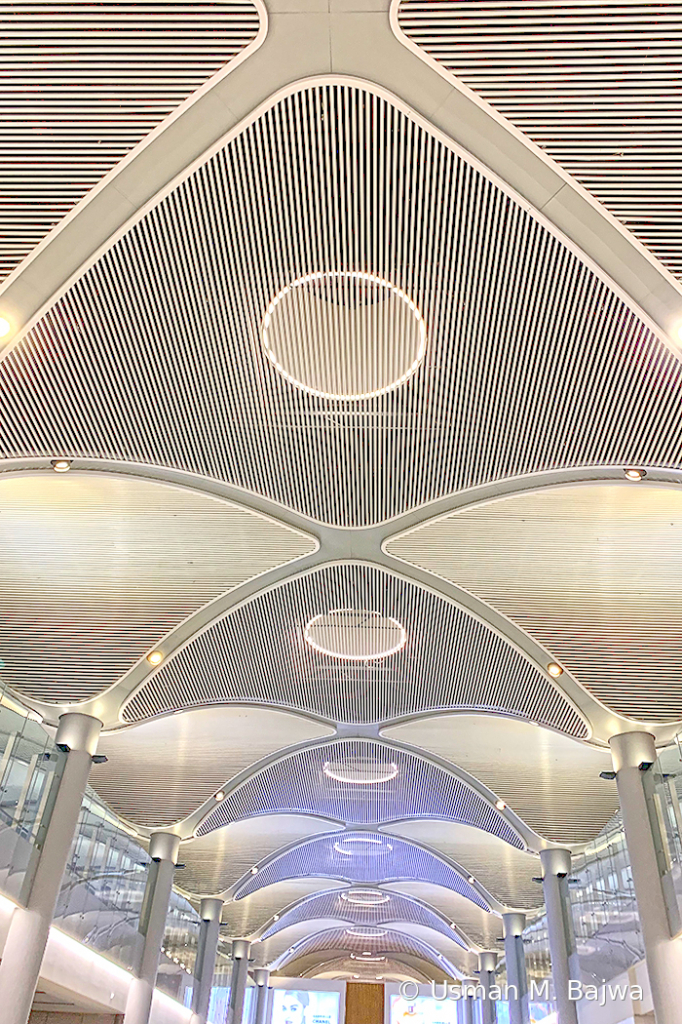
83, 83
176, 307
598, 86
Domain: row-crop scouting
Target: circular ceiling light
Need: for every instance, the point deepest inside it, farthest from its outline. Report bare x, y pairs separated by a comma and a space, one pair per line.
4, 327
61, 465
355, 634
471, 879
365, 846
220, 795
501, 805
365, 897
155, 657
344, 335
555, 670
360, 771
634, 474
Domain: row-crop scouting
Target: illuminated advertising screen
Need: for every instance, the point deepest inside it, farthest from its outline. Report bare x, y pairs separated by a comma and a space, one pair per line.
422, 1010
303, 1006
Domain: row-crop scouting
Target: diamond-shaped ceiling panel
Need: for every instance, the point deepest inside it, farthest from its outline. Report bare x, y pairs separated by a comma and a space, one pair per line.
449, 659
530, 363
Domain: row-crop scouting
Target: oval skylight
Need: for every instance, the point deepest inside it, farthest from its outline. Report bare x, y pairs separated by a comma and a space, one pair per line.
344, 334
355, 634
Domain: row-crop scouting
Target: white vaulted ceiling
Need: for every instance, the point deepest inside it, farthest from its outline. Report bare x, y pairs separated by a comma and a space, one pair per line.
590, 570
98, 567
319, 373
519, 331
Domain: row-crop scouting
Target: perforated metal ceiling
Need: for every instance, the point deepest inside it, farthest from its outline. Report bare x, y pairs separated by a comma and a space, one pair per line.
531, 362
84, 82
98, 567
390, 859
598, 86
550, 781
301, 783
449, 660
591, 570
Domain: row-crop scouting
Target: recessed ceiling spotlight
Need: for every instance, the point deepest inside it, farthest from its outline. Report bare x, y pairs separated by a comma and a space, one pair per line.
254, 870
634, 474
555, 670
61, 465
471, 879
276, 917
379, 977
220, 795
155, 657
4, 327
500, 804
356, 975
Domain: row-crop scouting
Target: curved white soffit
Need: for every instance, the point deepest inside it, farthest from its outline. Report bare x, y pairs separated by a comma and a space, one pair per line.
360, 47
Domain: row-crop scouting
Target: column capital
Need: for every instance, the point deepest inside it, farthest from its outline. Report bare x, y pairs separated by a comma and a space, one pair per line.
555, 862
211, 908
631, 749
487, 961
164, 846
514, 924
78, 732
261, 976
240, 949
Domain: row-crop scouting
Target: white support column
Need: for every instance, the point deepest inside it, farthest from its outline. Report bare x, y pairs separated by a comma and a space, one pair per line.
210, 912
633, 754
163, 849
556, 868
261, 977
22, 957
240, 976
487, 962
515, 957
469, 986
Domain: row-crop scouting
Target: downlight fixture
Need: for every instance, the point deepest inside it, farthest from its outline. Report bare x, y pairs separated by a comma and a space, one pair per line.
634, 474
220, 795
344, 334
555, 670
360, 772
5, 327
471, 879
501, 805
61, 465
365, 897
155, 657
355, 634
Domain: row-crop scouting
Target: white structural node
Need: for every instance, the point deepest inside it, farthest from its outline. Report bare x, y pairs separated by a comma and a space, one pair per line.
634, 754
24, 949
515, 958
211, 910
163, 849
556, 868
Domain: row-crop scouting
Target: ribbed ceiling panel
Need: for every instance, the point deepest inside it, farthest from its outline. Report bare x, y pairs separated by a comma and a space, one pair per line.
97, 568
449, 660
550, 781
83, 82
332, 904
590, 570
388, 942
303, 783
480, 927
246, 917
208, 747
390, 859
596, 85
505, 872
346, 969
531, 362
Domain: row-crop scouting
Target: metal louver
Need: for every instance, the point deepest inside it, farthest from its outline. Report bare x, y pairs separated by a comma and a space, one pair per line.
531, 362
598, 86
83, 82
